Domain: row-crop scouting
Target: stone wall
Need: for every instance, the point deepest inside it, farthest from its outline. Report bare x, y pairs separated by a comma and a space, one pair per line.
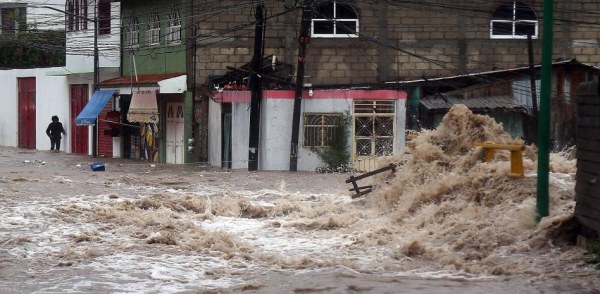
398, 41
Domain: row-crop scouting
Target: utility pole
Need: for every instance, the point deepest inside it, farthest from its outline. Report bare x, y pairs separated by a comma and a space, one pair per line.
96, 79
256, 88
532, 130
96, 65
544, 117
302, 40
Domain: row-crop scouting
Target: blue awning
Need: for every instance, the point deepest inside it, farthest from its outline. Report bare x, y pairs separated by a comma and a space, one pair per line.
90, 112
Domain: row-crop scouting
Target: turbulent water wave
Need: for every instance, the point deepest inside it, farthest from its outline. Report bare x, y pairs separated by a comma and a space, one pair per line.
444, 214
445, 204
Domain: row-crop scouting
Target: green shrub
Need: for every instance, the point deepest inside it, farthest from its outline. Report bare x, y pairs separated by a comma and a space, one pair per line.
336, 156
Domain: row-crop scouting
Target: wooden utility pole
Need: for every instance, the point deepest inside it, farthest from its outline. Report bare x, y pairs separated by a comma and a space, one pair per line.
302, 40
256, 88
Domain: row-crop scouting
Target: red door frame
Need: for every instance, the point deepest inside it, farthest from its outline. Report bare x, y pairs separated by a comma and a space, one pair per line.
79, 134
27, 121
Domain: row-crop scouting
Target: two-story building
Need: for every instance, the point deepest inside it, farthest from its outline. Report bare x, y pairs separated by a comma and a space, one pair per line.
64, 87
366, 45
154, 103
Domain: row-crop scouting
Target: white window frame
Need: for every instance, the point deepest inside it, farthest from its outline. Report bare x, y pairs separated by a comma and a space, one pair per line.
173, 35
133, 33
513, 23
153, 33
335, 20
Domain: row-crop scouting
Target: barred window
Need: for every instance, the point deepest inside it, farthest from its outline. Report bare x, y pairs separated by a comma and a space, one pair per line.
153, 34
513, 20
77, 12
104, 17
132, 34
374, 127
320, 128
174, 29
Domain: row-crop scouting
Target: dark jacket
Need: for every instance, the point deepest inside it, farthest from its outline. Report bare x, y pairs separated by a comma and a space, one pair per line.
54, 130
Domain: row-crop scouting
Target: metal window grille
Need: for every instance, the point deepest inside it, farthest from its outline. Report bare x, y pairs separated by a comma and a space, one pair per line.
174, 29
133, 33
153, 34
374, 127
320, 128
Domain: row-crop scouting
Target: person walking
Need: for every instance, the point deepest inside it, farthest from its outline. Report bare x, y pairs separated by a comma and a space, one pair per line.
54, 131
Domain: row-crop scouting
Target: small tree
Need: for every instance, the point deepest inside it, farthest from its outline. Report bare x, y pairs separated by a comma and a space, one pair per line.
32, 48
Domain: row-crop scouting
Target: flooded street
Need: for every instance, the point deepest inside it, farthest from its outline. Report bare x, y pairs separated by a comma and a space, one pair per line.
451, 227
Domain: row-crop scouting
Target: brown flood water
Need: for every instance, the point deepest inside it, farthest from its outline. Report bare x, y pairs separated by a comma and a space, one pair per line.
445, 222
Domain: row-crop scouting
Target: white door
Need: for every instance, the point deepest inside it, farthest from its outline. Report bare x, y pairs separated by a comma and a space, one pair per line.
175, 151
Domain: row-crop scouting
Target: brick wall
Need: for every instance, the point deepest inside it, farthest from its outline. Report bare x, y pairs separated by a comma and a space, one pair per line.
429, 38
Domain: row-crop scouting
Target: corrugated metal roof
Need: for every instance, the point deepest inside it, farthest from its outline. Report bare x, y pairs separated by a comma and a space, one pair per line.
483, 73
141, 79
481, 103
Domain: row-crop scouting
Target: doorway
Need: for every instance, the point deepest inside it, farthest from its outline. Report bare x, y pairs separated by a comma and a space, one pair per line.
79, 134
27, 129
174, 133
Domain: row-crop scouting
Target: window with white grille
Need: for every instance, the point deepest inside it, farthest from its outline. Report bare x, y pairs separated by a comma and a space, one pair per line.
153, 33
320, 128
132, 35
513, 20
174, 29
333, 19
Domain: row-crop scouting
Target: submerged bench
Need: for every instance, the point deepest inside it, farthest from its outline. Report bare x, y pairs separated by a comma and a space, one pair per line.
359, 191
516, 156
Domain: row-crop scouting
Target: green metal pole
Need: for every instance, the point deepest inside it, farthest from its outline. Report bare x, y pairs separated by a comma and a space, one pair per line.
544, 114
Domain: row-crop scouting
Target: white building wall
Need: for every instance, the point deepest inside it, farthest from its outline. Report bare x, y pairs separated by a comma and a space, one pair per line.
214, 133
276, 129
240, 138
80, 44
37, 16
52, 98
400, 126
275, 134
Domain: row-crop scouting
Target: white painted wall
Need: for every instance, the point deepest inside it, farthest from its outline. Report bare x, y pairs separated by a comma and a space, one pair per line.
240, 137
80, 44
37, 16
52, 98
214, 133
276, 132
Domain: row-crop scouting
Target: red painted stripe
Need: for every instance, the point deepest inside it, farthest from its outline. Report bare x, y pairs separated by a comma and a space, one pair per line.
244, 96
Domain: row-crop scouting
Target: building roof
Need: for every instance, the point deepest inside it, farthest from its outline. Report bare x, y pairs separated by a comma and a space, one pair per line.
141, 80
496, 103
478, 77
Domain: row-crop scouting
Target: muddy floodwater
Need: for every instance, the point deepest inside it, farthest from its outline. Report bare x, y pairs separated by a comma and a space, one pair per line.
445, 222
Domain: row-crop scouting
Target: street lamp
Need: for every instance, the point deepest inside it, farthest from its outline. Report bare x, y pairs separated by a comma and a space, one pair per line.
96, 64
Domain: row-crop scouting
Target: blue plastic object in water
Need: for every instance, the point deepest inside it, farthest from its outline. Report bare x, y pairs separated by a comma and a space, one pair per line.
97, 166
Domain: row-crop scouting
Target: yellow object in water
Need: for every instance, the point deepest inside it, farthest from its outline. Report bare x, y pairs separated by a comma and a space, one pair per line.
516, 156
